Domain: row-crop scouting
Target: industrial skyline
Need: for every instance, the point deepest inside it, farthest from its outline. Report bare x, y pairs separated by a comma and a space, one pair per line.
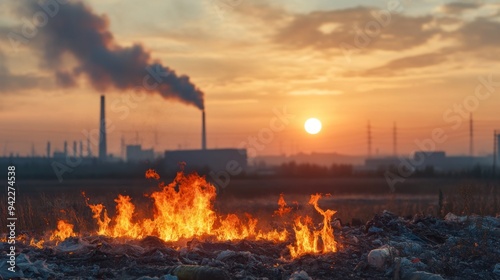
150, 138
102, 146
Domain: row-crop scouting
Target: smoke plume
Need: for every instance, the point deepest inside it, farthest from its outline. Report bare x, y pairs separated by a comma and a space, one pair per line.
78, 31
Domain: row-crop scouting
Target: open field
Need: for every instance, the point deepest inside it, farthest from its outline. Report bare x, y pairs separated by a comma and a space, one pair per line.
42, 202
419, 242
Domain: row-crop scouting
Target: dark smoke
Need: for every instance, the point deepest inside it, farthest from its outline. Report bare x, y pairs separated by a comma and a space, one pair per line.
65, 79
76, 30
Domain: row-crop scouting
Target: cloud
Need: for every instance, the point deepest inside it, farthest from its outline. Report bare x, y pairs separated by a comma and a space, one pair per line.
458, 7
395, 67
478, 34
331, 31
263, 11
12, 83
315, 92
477, 39
345, 26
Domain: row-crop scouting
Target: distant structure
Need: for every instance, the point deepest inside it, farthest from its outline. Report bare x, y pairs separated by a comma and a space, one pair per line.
381, 163
498, 144
122, 147
102, 132
58, 155
203, 132
81, 149
135, 153
48, 149
89, 149
74, 149
441, 162
216, 160
207, 160
436, 160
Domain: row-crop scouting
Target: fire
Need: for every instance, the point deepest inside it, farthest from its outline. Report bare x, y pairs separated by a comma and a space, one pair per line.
308, 241
151, 174
38, 244
101, 222
283, 207
63, 231
184, 210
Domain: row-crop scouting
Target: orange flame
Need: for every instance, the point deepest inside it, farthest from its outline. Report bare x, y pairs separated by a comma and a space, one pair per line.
308, 241
283, 207
180, 214
151, 174
38, 244
184, 210
63, 231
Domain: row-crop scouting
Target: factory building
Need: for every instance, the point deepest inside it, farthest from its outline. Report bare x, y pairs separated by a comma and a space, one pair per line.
438, 160
208, 160
135, 153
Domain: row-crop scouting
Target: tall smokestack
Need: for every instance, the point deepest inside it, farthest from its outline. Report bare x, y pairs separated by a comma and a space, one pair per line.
203, 132
102, 132
81, 149
497, 144
89, 150
48, 149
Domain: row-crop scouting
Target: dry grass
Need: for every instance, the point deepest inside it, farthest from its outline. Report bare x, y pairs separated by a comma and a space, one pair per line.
39, 212
472, 199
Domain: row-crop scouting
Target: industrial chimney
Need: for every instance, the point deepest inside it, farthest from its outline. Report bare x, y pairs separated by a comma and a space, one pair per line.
81, 149
498, 145
48, 149
203, 132
102, 132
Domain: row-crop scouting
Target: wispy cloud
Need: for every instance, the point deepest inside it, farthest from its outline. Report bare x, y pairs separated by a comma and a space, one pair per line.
315, 92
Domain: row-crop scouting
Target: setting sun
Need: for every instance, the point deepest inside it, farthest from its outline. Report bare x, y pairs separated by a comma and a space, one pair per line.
312, 126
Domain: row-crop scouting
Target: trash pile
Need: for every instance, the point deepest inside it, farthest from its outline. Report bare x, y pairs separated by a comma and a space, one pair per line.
386, 247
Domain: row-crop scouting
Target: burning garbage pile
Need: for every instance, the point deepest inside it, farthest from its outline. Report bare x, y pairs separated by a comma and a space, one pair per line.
185, 238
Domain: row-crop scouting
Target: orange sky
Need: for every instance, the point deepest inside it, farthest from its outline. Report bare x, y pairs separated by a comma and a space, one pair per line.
316, 58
